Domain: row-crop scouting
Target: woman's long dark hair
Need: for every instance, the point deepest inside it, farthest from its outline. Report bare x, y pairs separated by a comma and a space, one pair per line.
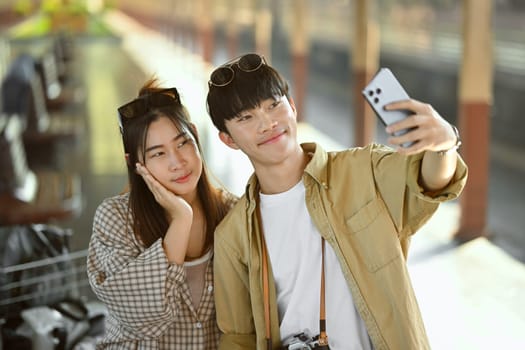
149, 218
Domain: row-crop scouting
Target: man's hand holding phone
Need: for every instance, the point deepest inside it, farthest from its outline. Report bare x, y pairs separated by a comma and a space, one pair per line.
413, 126
427, 130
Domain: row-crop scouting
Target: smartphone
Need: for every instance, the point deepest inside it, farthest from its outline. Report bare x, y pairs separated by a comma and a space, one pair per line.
383, 89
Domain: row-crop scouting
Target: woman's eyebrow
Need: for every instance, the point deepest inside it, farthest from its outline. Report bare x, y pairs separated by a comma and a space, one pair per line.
151, 148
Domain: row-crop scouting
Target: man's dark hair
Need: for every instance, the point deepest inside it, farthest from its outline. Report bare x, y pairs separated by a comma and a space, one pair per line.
246, 91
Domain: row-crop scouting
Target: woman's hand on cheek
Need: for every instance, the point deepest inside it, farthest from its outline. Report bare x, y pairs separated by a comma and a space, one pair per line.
175, 206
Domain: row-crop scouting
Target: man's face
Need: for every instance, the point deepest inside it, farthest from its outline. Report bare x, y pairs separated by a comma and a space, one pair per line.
267, 134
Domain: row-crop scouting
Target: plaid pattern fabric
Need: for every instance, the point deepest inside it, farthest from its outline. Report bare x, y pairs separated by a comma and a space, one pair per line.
148, 299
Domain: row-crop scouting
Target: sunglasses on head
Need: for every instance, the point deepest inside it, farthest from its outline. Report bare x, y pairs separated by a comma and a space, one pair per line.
224, 75
144, 104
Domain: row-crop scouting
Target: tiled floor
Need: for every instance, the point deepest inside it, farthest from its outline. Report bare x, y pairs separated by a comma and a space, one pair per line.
470, 296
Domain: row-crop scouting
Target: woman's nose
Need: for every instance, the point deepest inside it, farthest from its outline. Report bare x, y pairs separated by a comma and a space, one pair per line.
175, 161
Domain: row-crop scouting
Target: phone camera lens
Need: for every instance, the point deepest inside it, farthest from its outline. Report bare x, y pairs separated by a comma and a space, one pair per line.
376, 100
370, 93
378, 91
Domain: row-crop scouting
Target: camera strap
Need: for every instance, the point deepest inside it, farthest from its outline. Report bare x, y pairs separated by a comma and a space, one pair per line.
266, 288
323, 337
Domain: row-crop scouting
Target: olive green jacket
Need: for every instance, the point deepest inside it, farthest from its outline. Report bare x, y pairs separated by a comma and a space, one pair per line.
366, 202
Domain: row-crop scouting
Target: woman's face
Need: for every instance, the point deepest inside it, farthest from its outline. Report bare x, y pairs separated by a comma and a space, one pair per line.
172, 157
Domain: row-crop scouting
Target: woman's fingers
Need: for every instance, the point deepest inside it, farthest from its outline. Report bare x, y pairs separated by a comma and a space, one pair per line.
173, 204
159, 191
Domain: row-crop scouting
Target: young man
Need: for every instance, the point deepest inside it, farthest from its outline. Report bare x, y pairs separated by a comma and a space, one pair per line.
364, 202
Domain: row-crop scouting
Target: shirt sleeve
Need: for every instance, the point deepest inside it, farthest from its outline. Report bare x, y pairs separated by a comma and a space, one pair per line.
397, 180
140, 288
232, 299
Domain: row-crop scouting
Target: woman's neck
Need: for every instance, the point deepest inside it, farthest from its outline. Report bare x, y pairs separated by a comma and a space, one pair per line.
197, 242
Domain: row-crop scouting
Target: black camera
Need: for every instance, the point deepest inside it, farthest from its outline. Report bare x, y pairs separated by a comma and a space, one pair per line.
302, 341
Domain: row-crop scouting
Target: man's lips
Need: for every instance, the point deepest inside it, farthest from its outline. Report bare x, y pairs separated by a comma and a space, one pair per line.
273, 138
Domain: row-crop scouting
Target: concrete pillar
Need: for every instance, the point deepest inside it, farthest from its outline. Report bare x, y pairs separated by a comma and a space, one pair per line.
365, 61
300, 53
232, 29
475, 100
178, 22
263, 30
186, 23
204, 25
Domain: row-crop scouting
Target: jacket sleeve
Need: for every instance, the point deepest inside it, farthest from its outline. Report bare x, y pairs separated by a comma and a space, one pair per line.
397, 179
232, 298
139, 287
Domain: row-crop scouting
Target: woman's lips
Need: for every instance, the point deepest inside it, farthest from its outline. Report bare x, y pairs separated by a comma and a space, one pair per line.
183, 179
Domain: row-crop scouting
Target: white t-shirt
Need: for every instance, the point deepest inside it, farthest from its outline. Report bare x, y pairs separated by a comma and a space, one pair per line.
294, 249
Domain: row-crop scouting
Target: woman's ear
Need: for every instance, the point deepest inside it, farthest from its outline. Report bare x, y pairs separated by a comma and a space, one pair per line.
128, 163
227, 140
194, 129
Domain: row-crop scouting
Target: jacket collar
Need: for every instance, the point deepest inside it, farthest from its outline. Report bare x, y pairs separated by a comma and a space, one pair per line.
316, 169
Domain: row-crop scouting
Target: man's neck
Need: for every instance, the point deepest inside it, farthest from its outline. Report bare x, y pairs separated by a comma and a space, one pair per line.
281, 177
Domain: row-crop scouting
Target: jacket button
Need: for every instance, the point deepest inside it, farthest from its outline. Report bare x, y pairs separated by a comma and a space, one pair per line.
198, 325
210, 288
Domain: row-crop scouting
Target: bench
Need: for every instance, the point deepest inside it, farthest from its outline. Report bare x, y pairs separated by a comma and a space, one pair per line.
54, 93
27, 195
63, 49
23, 95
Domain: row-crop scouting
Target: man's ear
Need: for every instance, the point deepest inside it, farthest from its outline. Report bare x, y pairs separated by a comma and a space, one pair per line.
227, 140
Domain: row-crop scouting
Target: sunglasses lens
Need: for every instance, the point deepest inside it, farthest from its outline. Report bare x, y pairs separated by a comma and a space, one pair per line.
131, 109
222, 76
158, 101
250, 62
140, 106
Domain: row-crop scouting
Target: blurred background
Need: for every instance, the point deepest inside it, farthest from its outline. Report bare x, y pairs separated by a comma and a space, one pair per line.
66, 65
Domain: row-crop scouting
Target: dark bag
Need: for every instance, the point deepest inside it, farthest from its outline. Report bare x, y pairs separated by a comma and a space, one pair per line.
35, 269
37, 280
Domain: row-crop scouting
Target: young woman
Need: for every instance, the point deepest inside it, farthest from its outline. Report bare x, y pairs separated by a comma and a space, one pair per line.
151, 248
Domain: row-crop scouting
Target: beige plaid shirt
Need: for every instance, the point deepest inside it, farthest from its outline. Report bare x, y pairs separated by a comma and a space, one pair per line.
148, 299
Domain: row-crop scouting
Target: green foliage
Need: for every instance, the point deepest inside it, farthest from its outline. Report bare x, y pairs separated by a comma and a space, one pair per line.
23, 7
76, 7
41, 25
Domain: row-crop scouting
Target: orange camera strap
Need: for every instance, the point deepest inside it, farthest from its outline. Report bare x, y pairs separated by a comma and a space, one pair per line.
323, 337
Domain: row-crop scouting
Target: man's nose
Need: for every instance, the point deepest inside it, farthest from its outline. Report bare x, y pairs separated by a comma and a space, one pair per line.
266, 122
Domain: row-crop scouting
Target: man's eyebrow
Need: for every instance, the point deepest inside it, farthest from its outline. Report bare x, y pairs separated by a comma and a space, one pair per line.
151, 148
